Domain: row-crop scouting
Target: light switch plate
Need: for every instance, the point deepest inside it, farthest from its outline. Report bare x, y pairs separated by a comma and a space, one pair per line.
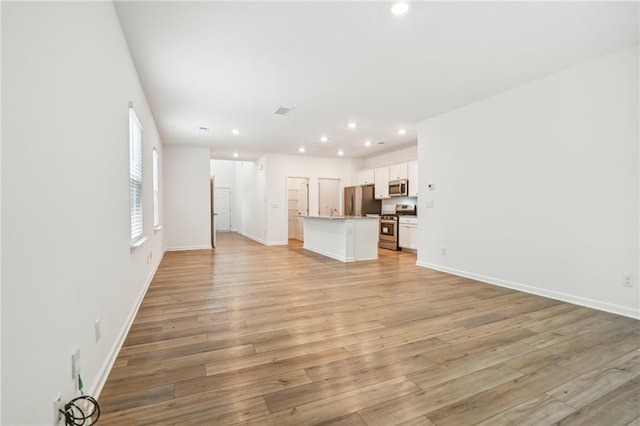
429, 204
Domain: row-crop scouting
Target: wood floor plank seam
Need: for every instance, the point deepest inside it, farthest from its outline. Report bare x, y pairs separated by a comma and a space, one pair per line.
255, 335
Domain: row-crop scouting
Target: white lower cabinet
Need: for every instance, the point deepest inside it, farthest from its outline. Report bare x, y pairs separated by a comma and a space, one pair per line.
408, 233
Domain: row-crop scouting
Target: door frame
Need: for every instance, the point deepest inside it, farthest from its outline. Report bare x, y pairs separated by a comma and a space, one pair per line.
212, 219
286, 189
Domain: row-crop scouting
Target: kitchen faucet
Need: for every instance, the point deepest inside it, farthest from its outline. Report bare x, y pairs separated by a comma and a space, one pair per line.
332, 211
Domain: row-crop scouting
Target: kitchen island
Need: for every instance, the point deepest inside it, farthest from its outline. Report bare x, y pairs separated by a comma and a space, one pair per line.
344, 238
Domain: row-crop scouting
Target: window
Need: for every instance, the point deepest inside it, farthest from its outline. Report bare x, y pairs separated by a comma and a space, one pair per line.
156, 189
135, 175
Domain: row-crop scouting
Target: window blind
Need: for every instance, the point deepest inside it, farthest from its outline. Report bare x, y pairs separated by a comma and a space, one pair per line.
135, 175
156, 189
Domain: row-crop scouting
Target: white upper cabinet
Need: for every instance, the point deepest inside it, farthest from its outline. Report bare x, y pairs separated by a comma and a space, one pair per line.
398, 171
413, 178
381, 189
366, 177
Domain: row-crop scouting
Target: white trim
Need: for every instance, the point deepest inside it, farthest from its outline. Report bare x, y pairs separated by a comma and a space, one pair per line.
331, 255
251, 237
261, 241
104, 371
564, 297
139, 242
183, 248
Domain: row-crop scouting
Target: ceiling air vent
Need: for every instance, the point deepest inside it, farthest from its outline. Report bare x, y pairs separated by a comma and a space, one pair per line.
283, 111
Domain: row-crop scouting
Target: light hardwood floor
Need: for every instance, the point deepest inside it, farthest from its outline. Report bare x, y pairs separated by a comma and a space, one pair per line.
277, 335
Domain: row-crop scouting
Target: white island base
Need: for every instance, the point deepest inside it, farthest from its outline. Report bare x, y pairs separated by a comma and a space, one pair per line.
347, 239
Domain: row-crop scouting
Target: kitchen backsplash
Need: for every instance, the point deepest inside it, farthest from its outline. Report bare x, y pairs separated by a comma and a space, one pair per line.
390, 204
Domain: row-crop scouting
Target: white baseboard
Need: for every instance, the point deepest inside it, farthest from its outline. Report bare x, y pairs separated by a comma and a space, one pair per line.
252, 237
261, 241
104, 371
564, 297
184, 248
327, 254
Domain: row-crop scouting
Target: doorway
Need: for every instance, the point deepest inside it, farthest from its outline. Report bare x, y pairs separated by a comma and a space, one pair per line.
212, 208
329, 197
222, 209
297, 206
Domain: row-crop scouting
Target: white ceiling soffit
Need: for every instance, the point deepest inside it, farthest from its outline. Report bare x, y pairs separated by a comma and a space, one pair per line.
231, 65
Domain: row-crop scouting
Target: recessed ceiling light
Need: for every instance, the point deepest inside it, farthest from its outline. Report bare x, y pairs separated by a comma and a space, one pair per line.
235, 154
301, 149
400, 8
324, 139
352, 125
235, 131
367, 143
402, 131
341, 152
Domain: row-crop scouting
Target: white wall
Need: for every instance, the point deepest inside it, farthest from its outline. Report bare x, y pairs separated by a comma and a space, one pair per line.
399, 156
281, 167
537, 188
67, 79
261, 191
187, 197
0, 233
224, 172
250, 203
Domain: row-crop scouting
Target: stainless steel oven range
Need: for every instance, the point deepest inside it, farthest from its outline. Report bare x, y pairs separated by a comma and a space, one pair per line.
388, 235
388, 231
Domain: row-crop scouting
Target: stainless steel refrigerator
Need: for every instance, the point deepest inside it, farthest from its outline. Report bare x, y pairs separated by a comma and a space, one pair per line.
360, 201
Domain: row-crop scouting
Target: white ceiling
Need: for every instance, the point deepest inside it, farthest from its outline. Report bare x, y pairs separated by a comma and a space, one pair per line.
226, 65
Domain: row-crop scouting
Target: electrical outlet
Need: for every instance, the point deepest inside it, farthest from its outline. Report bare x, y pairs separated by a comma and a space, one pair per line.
443, 251
75, 364
58, 407
96, 329
627, 280
429, 204
150, 255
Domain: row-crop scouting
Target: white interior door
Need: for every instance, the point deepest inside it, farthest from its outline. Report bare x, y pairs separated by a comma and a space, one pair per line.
212, 199
303, 207
292, 212
328, 197
298, 206
222, 209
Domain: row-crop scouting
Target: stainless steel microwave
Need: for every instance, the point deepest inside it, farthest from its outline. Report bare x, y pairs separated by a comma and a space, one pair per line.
398, 188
